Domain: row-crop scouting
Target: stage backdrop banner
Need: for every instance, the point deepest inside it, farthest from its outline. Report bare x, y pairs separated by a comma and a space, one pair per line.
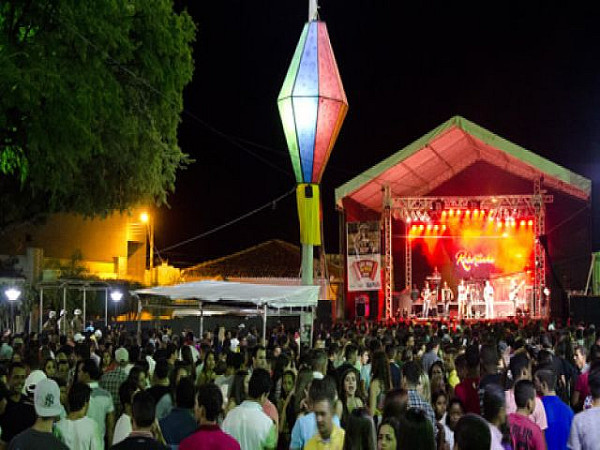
364, 256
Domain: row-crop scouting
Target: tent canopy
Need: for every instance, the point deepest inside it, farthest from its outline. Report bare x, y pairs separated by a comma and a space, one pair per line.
421, 167
225, 292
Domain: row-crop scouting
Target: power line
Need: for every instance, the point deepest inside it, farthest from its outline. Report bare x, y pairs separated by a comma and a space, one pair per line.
231, 222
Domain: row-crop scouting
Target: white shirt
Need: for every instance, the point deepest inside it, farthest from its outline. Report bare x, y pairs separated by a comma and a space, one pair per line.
80, 434
122, 429
101, 405
249, 425
488, 293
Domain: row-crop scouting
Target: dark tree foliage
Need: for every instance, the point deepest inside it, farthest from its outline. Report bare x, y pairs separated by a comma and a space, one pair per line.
90, 101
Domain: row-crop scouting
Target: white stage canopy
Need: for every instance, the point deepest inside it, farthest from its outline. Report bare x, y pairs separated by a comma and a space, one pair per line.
225, 292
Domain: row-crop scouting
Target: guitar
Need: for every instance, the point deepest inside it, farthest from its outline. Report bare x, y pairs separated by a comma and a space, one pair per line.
512, 295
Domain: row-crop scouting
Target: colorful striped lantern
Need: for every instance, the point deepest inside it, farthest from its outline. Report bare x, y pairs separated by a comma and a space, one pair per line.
312, 103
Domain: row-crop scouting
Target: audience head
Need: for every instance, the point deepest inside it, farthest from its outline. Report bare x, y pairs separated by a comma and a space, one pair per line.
494, 404
79, 397
184, 393
525, 395
209, 403
260, 385
389, 434
143, 410
472, 433
126, 392
416, 431
456, 410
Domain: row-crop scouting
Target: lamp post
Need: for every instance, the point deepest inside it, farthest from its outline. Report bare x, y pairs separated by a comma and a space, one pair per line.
116, 297
147, 219
12, 294
312, 106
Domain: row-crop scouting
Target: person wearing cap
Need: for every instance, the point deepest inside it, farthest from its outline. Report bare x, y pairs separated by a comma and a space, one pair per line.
51, 325
77, 322
112, 380
47, 409
19, 413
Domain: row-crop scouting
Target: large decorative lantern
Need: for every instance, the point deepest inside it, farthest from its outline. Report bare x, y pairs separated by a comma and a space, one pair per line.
312, 105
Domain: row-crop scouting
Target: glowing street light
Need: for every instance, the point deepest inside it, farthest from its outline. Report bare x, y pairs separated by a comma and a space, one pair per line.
116, 296
12, 294
145, 218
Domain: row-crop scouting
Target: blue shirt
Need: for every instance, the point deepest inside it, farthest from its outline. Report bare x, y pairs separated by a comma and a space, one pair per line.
559, 417
178, 425
305, 428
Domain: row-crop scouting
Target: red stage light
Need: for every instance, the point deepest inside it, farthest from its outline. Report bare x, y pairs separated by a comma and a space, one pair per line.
522, 223
429, 227
443, 227
513, 223
451, 212
476, 212
421, 227
467, 212
491, 219
443, 213
530, 223
458, 212
436, 227
408, 220
414, 227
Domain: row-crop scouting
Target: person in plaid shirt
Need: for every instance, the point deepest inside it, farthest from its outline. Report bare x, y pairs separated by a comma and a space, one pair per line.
411, 372
111, 381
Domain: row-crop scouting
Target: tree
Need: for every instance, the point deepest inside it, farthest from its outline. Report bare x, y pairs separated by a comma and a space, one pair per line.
90, 101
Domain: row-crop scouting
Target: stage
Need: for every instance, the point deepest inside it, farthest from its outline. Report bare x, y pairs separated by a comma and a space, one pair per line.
464, 217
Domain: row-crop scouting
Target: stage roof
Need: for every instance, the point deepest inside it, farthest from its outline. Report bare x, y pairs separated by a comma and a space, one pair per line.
421, 167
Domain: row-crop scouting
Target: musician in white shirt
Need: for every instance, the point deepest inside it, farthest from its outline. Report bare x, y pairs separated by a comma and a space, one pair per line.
488, 296
426, 299
447, 296
462, 298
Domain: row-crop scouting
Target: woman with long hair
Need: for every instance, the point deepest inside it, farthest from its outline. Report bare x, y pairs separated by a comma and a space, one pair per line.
49, 367
305, 377
208, 373
350, 393
494, 411
137, 377
360, 431
388, 437
416, 431
107, 362
456, 410
239, 389
285, 406
381, 382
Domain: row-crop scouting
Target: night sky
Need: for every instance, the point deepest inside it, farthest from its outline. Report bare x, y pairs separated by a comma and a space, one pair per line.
528, 72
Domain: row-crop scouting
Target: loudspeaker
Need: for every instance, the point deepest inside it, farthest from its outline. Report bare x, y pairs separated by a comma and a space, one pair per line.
324, 312
585, 309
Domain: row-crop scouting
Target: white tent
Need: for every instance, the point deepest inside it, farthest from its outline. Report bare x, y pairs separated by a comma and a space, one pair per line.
228, 293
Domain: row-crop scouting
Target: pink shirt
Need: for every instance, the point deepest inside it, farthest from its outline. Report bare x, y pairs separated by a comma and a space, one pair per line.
538, 416
270, 410
525, 434
209, 437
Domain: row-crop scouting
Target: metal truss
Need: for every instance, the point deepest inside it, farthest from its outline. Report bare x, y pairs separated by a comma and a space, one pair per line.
539, 204
388, 265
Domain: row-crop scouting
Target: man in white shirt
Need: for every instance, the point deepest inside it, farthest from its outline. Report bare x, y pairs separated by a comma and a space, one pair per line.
78, 431
101, 407
488, 296
124, 427
247, 423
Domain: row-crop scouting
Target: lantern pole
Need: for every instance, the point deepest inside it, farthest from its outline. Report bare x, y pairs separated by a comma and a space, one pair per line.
313, 9
307, 264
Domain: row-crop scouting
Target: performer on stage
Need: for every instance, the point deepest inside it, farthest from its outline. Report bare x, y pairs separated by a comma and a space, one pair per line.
447, 297
426, 299
513, 293
488, 296
462, 299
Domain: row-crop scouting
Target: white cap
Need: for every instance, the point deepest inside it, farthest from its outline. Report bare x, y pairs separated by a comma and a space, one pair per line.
78, 337
98, 334
32, 381
77, 312
46, 398
52, 314
122, 355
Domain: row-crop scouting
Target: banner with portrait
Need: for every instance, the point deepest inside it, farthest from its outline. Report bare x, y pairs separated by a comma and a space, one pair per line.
363, 256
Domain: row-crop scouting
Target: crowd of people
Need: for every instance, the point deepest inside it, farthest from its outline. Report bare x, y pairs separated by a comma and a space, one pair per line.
443, 385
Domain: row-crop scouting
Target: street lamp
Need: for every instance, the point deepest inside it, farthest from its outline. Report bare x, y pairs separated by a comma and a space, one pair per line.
312, 106
12, 294
116, 297
147, 219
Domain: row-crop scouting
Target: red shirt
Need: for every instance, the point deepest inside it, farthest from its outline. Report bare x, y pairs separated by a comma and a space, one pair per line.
466, 392
525, 434
209, 437
582, 386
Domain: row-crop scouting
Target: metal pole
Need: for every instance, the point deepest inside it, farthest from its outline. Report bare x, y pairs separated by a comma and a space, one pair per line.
201, 320
265, 326
106, 308
307, 265
41, 309
312, 325
84, 304
312, 9
139, 318
64, 318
